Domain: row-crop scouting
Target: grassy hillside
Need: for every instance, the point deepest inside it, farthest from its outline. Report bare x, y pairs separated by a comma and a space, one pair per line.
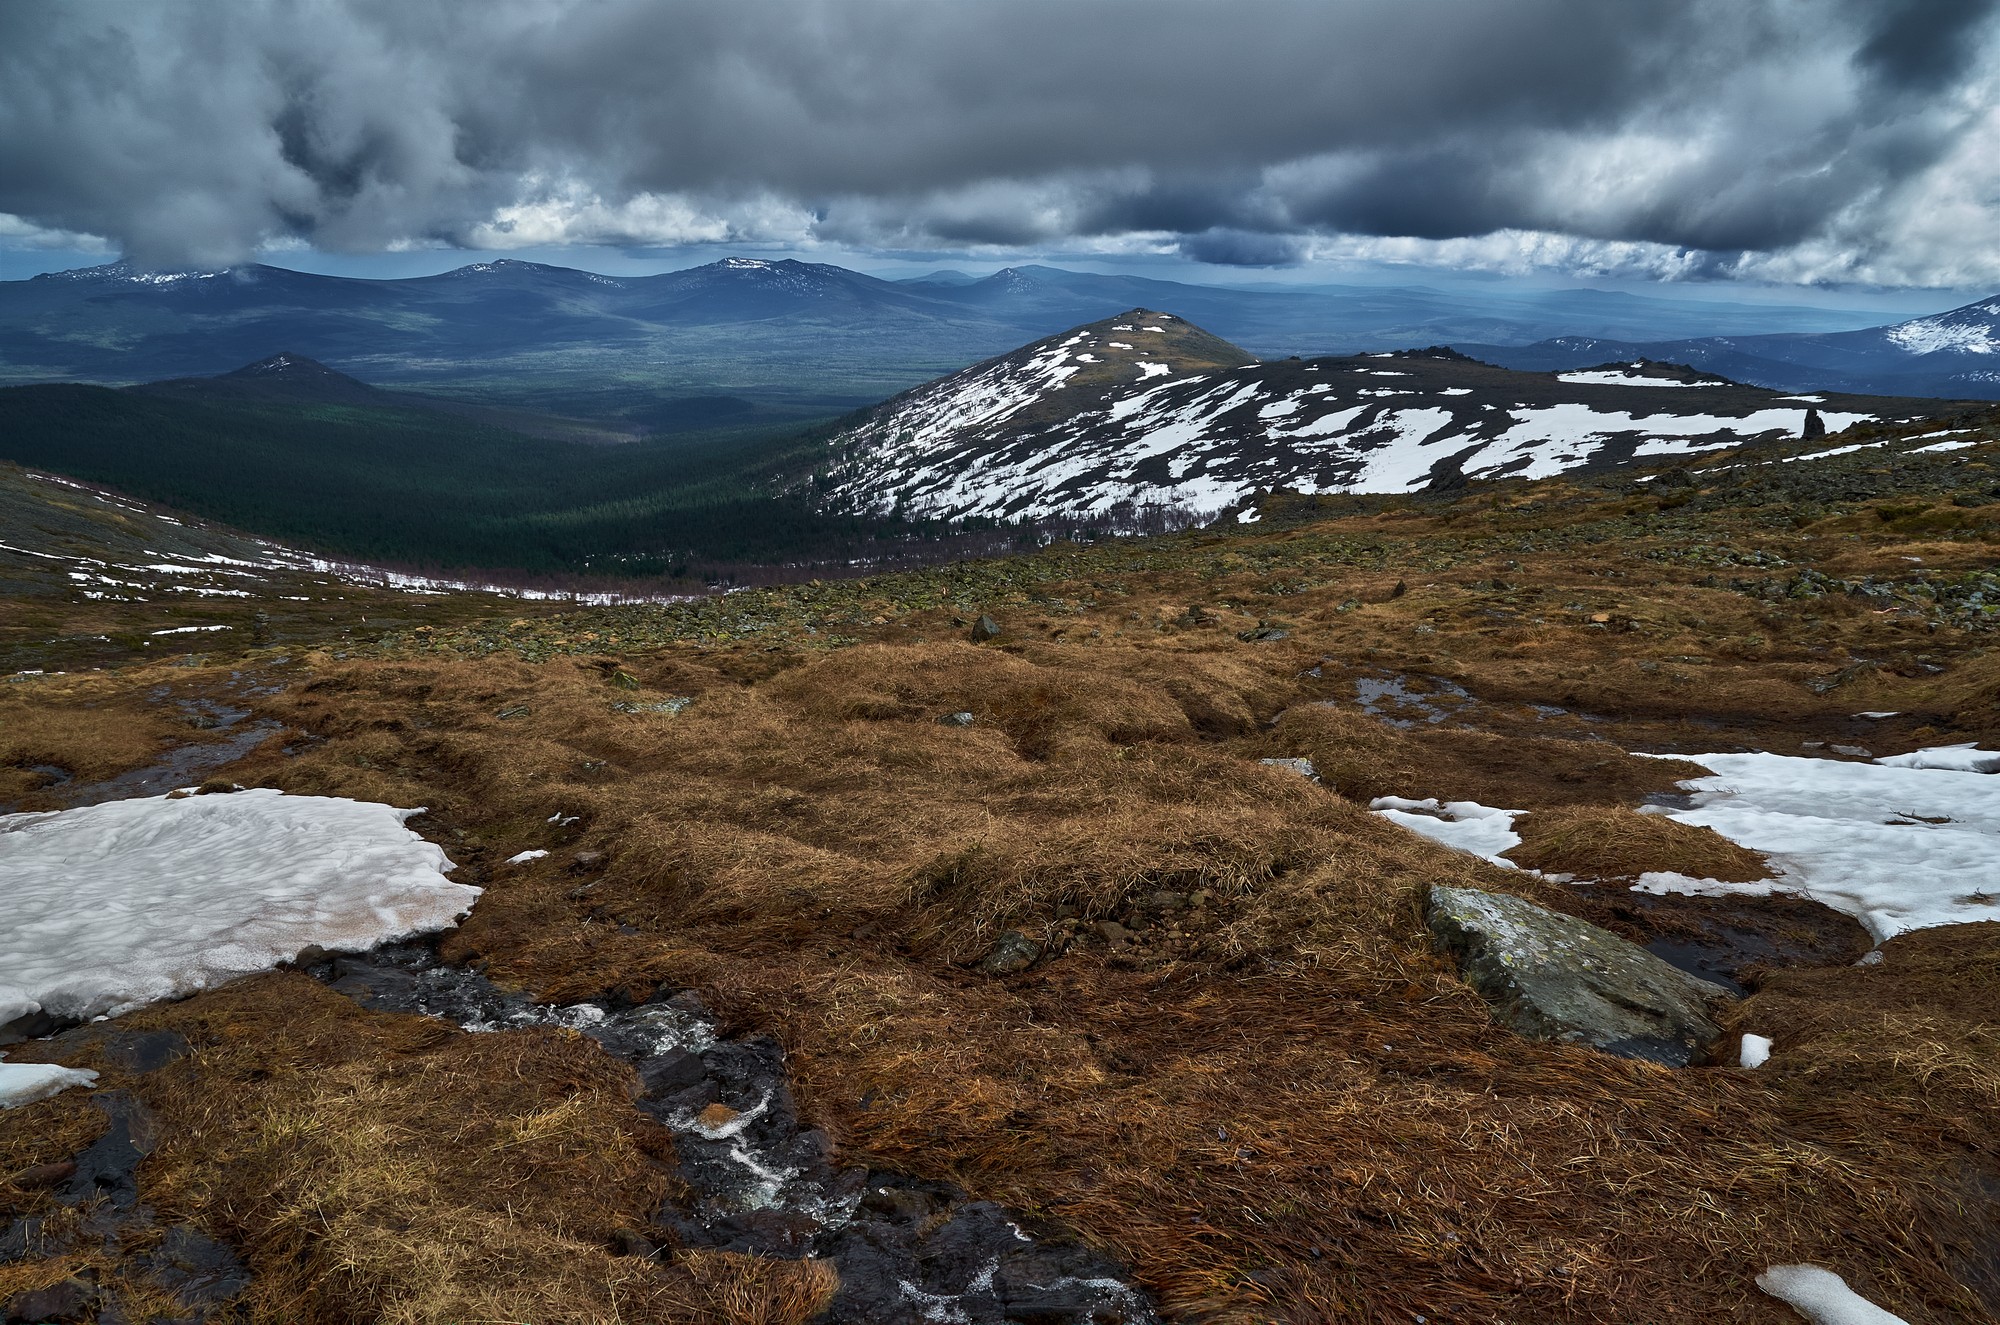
1235, 1060
415, 486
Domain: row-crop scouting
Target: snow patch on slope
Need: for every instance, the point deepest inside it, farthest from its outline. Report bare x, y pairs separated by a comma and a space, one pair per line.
112, 906
1897, 848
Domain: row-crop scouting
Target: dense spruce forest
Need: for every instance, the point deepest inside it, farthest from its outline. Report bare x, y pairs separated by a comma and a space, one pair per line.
417, 487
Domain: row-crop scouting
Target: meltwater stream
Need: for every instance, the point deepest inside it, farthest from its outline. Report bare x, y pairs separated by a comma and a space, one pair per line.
906, 1250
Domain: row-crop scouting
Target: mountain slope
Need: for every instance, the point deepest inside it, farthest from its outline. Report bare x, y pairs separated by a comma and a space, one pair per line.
299, 453
1954, 354
1147, 410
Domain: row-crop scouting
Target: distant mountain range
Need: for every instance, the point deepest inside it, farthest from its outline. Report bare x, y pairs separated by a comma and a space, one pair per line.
1951, 354
1146, 409
743, 341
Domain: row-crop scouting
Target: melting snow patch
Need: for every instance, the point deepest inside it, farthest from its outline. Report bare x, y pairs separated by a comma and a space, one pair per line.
1755, 1051
1466, 825
1838, 450
1896, 847
525, 857
1822, 1296
24, 1083
112, 906
1149, 370
1967, 758
1942, 446
1622, 379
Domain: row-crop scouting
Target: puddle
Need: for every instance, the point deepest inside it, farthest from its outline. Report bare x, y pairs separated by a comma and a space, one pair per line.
1730, 940
908, 1251
1404, 702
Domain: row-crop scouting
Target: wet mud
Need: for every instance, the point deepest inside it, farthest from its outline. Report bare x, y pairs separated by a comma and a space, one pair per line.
202, 1276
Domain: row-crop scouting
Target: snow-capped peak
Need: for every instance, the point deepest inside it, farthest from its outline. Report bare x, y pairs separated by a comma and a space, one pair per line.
1974, 329
1144, 409
128, 274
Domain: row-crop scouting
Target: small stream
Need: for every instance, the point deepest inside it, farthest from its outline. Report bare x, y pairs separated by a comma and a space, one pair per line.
908, 1251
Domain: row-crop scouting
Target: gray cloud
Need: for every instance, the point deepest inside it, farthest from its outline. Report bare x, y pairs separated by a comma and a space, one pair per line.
1247, 132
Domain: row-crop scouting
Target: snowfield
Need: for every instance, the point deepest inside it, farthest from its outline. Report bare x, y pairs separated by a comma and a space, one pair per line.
1898, 846
1904, 843
112, 906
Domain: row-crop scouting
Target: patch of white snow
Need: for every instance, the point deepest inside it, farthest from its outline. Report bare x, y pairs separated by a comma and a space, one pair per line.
1896, 847
1466, 825
112, 906
24, 1083
1966, 758
1822, 1296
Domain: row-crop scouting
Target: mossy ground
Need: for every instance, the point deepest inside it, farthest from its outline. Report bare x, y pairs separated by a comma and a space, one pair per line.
1277, 1103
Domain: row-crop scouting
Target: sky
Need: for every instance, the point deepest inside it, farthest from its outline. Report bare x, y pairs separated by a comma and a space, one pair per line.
1804, 149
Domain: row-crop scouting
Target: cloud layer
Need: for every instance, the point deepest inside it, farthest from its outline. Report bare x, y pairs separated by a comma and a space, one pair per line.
1833, 140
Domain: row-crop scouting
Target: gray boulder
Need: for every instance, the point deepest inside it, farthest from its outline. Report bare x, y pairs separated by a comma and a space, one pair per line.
1554, 977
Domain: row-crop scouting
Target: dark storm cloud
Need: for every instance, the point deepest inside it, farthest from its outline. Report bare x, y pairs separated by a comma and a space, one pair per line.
187, 131
1242, 248
1919, 45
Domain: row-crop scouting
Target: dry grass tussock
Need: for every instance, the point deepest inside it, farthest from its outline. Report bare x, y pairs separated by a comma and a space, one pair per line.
1610, 842
89, 727
1262, 1089
1276, 1103
380, 1168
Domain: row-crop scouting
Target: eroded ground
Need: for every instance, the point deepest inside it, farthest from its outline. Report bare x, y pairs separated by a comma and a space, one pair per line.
1083, 954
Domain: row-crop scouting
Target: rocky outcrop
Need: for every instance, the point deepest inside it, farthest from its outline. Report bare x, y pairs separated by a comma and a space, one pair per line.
1554, 977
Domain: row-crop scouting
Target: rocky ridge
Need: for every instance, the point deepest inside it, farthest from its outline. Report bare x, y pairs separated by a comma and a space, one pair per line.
1145, 410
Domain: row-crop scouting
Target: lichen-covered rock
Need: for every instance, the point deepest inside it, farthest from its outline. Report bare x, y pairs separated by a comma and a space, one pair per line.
1554, 977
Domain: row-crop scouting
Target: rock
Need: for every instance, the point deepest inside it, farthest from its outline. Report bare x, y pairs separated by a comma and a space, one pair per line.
1263, 633
1851, 751
72, 1299
671, 1070
1115, 934
985, 628
41, 1175
1554, 977
959, 719
1814, 425
586, 860
1303, 767
1012, 951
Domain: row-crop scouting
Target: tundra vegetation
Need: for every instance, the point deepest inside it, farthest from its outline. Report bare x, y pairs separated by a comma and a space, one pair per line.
1234, 1061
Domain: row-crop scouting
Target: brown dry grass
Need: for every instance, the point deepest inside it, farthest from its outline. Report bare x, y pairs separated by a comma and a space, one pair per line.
93, 726
1612, 842
378, 1168
1279, 1104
